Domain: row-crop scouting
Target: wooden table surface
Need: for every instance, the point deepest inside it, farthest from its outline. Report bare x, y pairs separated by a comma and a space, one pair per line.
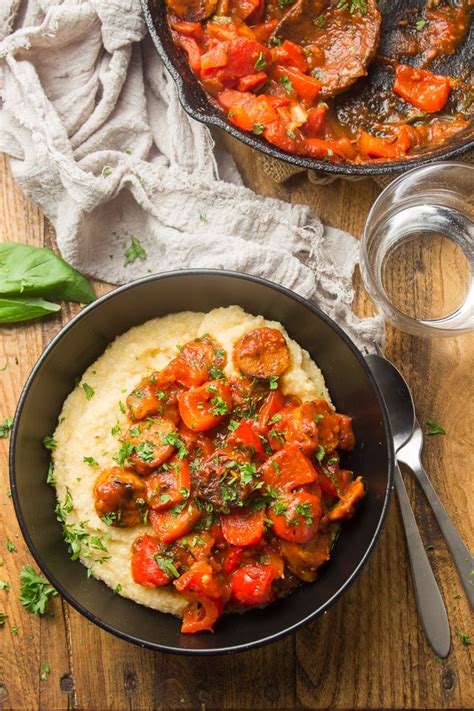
368, 651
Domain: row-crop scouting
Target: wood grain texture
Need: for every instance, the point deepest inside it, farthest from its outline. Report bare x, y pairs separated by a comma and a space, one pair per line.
368, 650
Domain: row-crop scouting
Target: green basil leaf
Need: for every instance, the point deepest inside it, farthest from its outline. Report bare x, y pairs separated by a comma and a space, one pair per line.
37, 271
21, 308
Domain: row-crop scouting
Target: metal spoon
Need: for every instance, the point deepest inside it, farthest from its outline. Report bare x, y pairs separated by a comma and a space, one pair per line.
429, 602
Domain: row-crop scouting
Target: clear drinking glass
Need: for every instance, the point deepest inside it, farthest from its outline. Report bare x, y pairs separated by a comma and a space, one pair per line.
426, 215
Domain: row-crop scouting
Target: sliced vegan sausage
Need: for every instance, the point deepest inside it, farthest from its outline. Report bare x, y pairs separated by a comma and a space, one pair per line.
345, 35
262, 353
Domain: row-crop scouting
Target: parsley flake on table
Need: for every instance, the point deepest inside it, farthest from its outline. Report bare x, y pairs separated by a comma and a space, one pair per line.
4, 585
11, 546
134, 252
35, 591
5, 427
433, 428
3, 617
14, 630
45, 671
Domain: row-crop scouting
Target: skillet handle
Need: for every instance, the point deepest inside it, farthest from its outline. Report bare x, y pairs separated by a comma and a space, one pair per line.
430, 604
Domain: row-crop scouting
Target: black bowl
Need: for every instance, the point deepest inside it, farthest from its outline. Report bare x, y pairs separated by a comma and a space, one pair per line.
83, 339
200, 106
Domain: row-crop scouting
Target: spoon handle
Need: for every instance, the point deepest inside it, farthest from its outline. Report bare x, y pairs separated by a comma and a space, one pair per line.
463, 560
430, 604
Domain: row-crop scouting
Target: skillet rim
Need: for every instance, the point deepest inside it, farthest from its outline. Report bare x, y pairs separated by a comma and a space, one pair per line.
230, 649
210, 118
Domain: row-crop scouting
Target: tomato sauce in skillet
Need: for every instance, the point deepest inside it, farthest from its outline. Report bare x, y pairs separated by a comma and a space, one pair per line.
241, 484
284, 69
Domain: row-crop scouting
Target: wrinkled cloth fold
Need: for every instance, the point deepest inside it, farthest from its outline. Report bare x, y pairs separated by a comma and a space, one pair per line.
96, 136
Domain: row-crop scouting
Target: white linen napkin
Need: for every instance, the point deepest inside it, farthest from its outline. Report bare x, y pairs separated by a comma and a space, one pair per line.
96, 135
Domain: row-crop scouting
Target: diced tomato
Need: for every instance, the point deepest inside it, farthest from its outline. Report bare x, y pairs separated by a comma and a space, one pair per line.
205, 407
278, 133
273, 403
214, 58
200, 579
190, 29
246, 435
421, 88
300, 521
170, 486
345, 506
145, 569
315, 120
247, 110
290, 54
252, 81
252, 584
193, 51
306, 87
200, 614
232, 559
377, 147
243, 528
171, 525
287, 469
195, 362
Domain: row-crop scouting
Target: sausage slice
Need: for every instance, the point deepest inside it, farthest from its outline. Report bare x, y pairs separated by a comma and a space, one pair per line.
346, 35
262, 353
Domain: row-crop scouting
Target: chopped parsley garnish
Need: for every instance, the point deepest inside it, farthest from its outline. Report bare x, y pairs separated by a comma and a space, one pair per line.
134, 252
35, 591
88, 390
420, 25
91, 462
288, 87
273, 382
50, 479
275, 41
261, 62
5, 427
320, 453
184, 492
106, 171
125, 451
279, 508
276, 467
219, 407
433, 428
146, 451
167, 566
202, 215
117, 588
122, 407
283, 3
216, 373
174, 440
247, 472
258, 128
305, 511
354, 6
317, 418
109, 518
164, 498
116, 430
49, 442
319, 21
233, 425
276, 418
14, 630
11, 548
4, 585
3, 617
291, 134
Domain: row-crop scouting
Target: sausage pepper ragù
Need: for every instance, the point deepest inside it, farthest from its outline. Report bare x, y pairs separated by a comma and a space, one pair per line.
241, 483
281, 69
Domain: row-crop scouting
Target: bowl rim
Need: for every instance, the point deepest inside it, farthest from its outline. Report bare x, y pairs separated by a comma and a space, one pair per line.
137, 283
261, 145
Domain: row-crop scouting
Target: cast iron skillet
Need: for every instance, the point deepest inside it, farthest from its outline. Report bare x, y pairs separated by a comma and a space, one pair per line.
82, 340
198, 104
